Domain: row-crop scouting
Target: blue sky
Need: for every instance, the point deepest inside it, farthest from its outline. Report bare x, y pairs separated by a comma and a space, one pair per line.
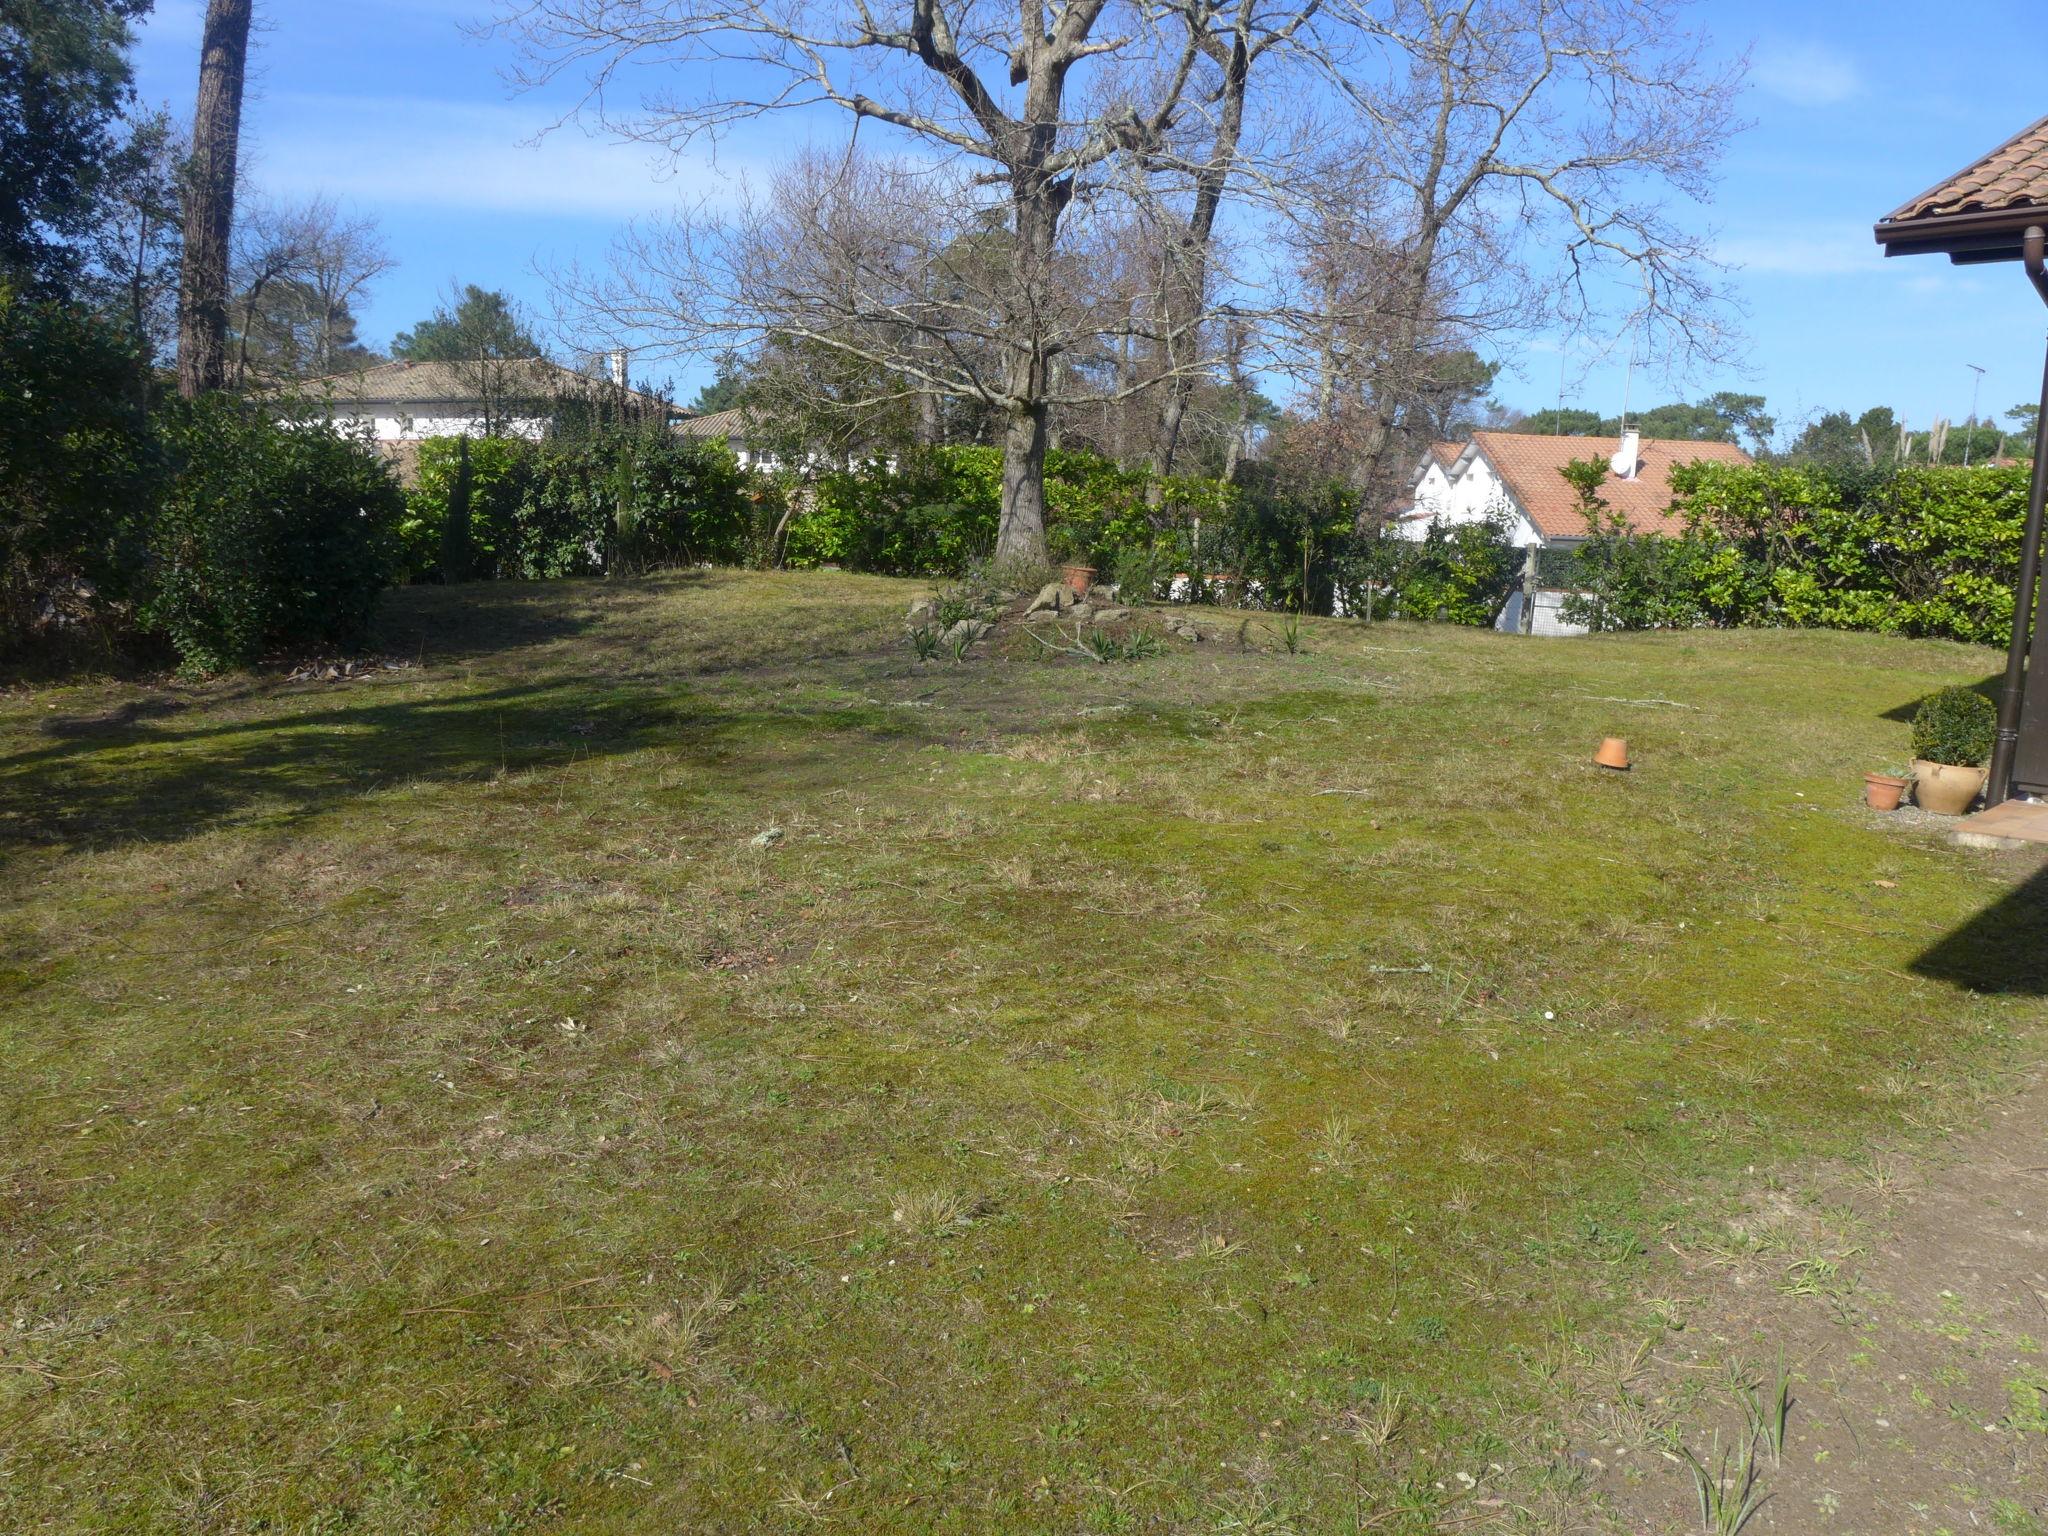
392, 107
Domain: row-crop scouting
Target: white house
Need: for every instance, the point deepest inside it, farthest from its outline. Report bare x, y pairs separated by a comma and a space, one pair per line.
734, 428
398, 405
1518, 475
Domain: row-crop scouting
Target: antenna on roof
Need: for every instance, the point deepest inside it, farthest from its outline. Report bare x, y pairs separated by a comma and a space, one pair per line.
1628, 384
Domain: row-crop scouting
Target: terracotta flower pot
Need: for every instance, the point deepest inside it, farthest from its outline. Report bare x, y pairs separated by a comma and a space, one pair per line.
1943, 788
1883, 791
1613, 754
1079, 577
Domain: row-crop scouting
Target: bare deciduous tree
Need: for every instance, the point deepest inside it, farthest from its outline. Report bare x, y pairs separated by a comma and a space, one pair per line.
1047, 106
1516, 161
297, 271
210, 199
1234, 40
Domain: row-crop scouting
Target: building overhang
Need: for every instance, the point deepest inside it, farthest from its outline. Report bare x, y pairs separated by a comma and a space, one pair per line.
1967, 239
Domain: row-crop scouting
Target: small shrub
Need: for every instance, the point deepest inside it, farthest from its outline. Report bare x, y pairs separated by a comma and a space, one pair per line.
925, 643
1955, 726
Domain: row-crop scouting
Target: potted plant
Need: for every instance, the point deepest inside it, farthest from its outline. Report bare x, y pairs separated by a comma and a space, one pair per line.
1952, 734
1883, 791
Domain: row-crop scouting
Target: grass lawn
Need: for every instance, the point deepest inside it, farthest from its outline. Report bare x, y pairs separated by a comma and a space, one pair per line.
1216, 1092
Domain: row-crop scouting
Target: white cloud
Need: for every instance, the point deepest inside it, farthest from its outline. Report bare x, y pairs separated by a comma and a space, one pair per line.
406, 152
1806, 74
1832, 250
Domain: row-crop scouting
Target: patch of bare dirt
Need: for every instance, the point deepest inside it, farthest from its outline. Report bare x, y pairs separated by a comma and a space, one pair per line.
1909, 1305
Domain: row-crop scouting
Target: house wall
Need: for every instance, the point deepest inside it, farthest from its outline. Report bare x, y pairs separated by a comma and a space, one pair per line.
1466, 497
395, 428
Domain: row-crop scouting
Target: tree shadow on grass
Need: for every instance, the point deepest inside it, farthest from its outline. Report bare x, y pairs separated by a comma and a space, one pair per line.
1992, 687
137, 779
2004, 948
487, 618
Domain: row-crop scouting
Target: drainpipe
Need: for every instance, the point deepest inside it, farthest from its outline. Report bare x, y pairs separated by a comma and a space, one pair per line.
1998, 785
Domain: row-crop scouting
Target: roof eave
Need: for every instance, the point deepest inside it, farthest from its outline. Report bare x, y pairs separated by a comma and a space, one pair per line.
1980, 235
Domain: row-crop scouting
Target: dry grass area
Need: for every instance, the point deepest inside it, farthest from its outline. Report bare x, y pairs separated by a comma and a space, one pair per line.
1231, 1091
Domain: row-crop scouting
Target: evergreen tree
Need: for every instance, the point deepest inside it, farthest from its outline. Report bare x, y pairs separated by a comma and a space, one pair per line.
473, 324
65, 83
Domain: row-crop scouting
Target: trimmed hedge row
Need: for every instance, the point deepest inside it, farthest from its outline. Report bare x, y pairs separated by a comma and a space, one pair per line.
1931, 550
612, 498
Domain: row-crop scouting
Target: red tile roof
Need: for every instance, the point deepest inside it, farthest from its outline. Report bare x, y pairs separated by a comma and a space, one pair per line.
2014, 175
1529, 466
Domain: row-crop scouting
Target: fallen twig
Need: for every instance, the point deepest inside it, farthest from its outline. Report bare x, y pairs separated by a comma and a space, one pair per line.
1608, 698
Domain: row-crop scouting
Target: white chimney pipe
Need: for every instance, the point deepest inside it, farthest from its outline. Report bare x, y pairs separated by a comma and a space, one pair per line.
617, 360
1627, 458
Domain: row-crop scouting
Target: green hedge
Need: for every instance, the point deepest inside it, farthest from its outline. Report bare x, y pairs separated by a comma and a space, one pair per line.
1927, 550
935, 510
78, 470
267, 536
609, 498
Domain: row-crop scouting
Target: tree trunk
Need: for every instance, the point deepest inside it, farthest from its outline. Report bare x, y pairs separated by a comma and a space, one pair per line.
1021, 534
1036, 205
210, 211
1187, 277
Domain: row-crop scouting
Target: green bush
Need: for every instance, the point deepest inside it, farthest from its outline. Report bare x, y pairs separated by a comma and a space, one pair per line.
1461, 573
268, 535
1924, 550
1956, 726
78, 471
932, 514
1626, 580
631, 498
499, 472
935, 511
611, 496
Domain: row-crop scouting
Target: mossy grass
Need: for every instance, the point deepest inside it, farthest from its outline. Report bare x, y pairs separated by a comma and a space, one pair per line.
1196, 1091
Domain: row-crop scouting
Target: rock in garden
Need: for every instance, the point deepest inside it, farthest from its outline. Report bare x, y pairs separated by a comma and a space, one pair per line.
1111, 615
924, 610
965, 632
1081, 611
766, 839
1050, 597
1101, 594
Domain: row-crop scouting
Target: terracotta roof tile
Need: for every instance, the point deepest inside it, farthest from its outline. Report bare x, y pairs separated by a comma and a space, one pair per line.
2014, 175
1530, 467
409, 384
728, 424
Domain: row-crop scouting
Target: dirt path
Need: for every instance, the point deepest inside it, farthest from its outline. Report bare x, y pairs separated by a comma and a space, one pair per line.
1910, 1304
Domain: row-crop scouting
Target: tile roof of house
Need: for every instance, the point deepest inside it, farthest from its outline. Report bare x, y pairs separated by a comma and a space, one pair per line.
1529, 466
1442, 456
2014, 175
409, 384
728, 424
